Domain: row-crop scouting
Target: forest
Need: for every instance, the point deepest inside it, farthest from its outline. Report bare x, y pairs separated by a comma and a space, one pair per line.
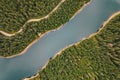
14, 13
16, 44
95, 58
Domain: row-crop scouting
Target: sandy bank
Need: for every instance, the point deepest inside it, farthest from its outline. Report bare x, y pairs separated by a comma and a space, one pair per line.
63, 48
32, 20
60, 52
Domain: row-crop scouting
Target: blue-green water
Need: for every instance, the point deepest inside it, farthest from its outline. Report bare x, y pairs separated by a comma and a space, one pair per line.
86, 22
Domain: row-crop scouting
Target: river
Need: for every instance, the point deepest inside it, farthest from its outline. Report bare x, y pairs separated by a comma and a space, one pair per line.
88, 21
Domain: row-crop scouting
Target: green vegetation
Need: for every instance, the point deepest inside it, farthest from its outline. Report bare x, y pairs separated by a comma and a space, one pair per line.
16, 44
59, 17
14, 14
96, 58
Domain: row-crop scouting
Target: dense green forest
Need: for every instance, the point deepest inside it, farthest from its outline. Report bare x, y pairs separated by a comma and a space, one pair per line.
14, 13
95, 58
16, 44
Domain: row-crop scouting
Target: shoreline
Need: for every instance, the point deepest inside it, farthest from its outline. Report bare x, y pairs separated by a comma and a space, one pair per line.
104, 23
32, 20
77, 12
24, 49
33, 42
59, 52
91, 35
41, 35
31, 77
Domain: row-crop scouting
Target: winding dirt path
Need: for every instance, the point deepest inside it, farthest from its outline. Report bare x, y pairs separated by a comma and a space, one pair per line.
32, 20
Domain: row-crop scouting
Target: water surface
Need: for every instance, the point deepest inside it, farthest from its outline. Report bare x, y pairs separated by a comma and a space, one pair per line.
85, 23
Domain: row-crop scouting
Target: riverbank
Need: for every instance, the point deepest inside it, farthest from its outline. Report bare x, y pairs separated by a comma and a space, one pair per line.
31, 77
41, 35
105, 23
19, 18
81, 9
32, 20
54, 21
60, 52
63, 48
25, 50
101, 28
